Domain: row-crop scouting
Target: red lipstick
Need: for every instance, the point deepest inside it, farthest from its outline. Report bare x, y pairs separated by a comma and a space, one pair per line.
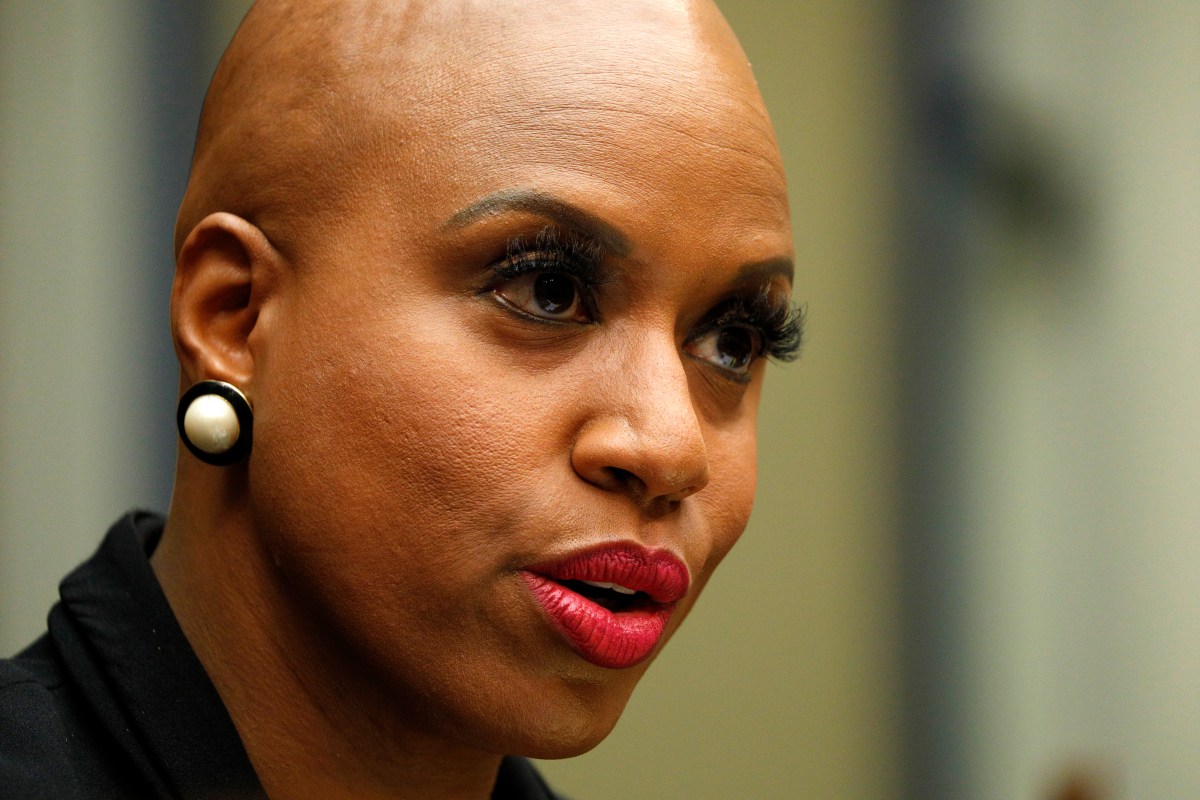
612, 603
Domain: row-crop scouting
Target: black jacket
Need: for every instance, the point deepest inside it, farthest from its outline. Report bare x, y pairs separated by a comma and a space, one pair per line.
113, 703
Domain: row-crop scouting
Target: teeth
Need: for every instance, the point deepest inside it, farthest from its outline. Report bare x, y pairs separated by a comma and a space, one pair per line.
613, 586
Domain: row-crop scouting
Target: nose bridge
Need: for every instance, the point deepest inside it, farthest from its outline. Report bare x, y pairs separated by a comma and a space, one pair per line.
653, 431
661, 408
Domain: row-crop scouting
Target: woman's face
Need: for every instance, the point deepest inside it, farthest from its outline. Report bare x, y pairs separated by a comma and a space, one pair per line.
532, 324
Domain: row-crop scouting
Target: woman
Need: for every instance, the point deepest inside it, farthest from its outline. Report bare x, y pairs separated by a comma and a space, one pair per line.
472, 307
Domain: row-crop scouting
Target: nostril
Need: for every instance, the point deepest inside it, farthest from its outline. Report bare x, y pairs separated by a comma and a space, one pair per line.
624, 480
656, 469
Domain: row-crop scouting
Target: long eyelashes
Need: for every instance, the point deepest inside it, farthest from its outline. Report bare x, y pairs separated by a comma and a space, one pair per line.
779, 324
552, 250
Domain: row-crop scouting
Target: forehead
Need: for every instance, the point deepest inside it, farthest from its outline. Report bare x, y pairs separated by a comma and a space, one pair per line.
635, 106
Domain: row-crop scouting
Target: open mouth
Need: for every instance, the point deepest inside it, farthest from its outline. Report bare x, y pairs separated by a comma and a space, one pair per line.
614, 597
612, 603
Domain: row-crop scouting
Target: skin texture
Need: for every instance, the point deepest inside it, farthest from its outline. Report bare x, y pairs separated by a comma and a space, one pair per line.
354, 588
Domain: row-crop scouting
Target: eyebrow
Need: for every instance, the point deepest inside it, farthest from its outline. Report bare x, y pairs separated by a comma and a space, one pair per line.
572, 216
768, 268
548, 206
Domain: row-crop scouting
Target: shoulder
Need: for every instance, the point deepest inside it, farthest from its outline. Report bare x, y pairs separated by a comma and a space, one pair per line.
51, 744
34, 761
28, 683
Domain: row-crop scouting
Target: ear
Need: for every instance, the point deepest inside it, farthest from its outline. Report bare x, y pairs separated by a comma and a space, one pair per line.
226, 272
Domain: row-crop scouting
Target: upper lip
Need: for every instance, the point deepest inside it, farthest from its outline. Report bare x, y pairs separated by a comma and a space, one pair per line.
656, 573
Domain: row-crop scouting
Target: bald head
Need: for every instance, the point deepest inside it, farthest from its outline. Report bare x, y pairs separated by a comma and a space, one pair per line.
499, 279
314, 98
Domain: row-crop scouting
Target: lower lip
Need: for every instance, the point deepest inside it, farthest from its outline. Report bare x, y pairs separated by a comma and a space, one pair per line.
605, 638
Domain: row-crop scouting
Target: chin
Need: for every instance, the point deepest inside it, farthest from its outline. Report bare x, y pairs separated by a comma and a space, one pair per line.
562, 720
564, 737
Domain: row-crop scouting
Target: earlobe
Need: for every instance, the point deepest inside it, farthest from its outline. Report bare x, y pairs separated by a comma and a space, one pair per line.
215, 422
226, 271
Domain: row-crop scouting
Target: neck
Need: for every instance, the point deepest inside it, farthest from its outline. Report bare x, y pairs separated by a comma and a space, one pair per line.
314, 722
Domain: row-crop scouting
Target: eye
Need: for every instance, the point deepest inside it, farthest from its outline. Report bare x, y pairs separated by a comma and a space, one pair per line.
547, 295
731, 347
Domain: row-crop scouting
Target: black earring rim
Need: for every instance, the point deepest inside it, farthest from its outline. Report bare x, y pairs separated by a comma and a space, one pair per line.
241, 407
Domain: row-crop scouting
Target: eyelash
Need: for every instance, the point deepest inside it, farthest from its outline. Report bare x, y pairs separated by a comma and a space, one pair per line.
780, 324
553, 251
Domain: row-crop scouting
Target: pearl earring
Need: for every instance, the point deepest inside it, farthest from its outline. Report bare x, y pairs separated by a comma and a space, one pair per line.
215, 422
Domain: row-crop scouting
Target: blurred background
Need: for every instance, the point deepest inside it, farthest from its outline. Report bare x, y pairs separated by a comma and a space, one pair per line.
978, 528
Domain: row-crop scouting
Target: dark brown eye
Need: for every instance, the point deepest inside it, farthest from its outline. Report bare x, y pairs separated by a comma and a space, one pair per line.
735, 347
549, 295
553, 293
732, 347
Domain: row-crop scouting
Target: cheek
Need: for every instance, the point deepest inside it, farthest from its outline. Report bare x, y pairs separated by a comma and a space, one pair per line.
388, 478
391, 433
407, 452
727, 501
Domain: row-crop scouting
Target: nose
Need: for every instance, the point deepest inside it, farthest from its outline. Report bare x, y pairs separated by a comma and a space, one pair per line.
644, 437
